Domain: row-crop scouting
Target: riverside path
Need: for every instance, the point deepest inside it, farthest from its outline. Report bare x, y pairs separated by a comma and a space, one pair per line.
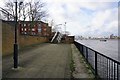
40, 61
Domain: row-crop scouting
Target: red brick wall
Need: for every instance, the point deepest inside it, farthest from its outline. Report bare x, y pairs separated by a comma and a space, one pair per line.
23, 40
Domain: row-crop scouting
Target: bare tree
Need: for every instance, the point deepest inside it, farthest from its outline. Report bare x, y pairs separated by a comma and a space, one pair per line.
36, 11
24, 11
9, 6
5, 14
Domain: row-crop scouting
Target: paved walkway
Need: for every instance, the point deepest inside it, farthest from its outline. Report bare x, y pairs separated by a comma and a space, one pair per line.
44, 61
81, 68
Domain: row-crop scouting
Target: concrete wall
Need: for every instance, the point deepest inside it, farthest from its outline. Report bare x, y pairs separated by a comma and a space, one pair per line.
23, 40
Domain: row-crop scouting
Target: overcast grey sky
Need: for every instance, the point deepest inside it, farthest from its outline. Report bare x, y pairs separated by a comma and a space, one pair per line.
84, 17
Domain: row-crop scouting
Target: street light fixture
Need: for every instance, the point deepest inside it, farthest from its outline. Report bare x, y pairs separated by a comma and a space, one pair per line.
15, 57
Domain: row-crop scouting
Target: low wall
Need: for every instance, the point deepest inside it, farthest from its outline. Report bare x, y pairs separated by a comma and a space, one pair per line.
23, 40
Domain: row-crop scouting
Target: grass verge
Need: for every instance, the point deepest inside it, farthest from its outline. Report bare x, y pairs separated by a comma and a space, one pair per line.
72, 67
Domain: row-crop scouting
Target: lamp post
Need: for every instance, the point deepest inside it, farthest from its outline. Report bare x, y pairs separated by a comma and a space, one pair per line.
20, 8
65, 28
65, 31
15, 56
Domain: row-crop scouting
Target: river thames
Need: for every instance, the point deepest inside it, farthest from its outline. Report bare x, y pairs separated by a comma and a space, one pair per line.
108, 48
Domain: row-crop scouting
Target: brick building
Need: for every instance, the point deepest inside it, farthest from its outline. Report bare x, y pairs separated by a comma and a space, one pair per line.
37, 28
45, 30
68, 39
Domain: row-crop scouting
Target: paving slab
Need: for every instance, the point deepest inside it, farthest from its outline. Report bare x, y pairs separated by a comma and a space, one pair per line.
81, 71
44, 61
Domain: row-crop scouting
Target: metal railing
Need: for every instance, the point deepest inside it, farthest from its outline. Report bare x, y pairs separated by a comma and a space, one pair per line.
102, 66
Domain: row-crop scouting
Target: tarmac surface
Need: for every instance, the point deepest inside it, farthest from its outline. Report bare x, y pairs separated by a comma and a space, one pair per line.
40, 61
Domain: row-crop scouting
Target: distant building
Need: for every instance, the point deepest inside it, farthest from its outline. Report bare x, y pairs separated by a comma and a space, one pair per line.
69, 39
111, 36
28, 28
46, 30
89, 38
34, 28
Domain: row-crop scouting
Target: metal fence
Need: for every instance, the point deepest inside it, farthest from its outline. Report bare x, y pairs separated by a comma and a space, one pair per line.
102, 66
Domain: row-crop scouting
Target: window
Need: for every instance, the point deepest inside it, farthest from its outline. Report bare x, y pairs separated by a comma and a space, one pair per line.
28, 24
39, 25
39, 30
22, 29
44, 29
24, 25
25, 29
33, 29
25, 33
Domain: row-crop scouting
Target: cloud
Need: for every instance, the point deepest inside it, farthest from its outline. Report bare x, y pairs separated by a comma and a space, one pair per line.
85, 17
100, 18
105, 22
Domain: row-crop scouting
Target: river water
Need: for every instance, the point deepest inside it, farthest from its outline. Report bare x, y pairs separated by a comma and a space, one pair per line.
108, 48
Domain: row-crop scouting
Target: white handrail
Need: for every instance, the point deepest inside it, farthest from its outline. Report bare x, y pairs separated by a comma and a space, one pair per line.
54, 36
